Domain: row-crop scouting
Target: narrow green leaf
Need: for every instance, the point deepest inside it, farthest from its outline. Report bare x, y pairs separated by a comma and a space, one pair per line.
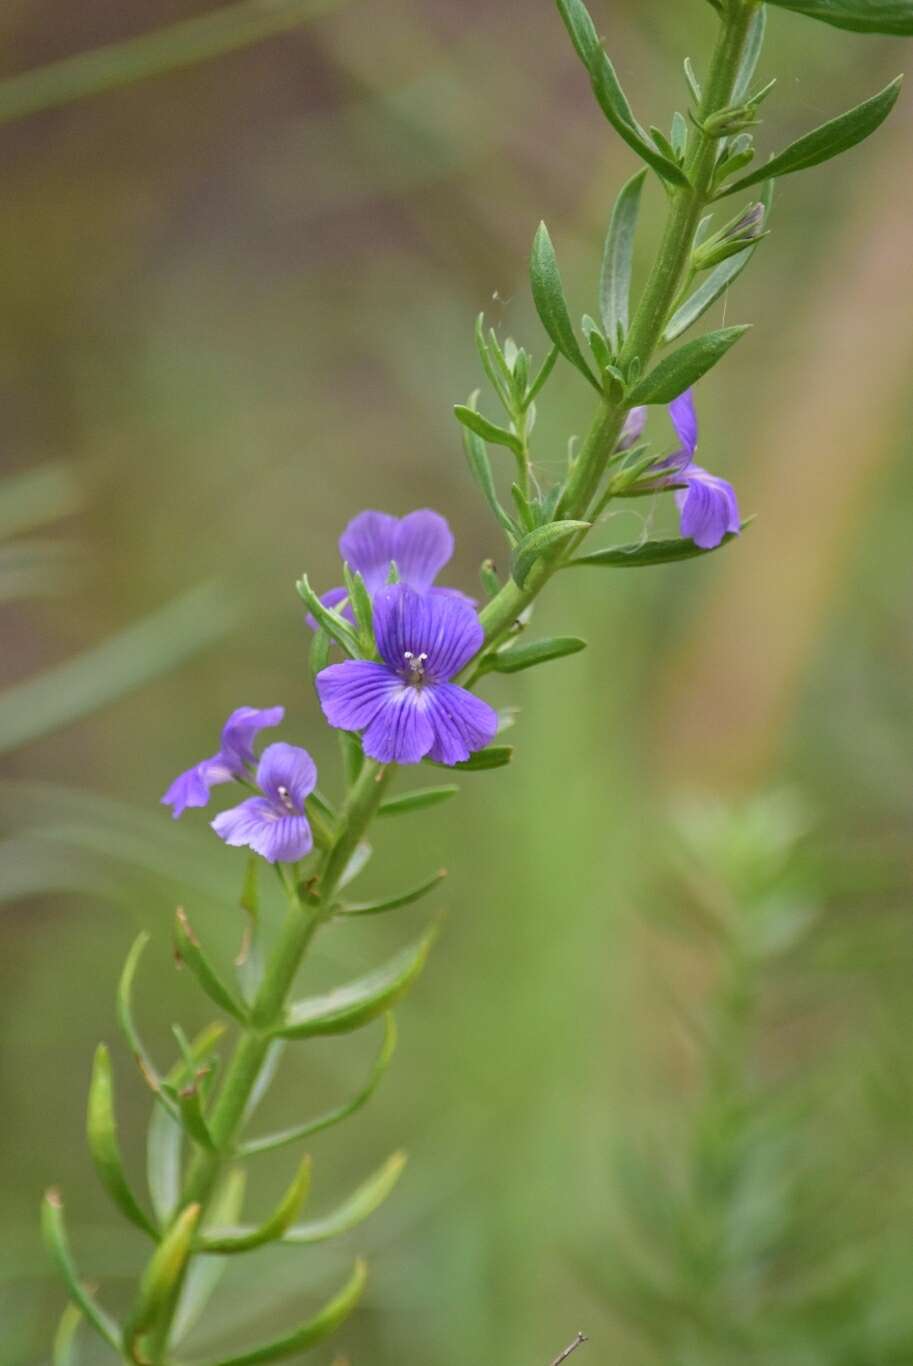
309, 1333
417, 800
163, 1141
675, 373
540, 542
353, 756
329, 619
480, 467
751, 54
330, 1117
545, 370
518, 657
859, 16
640, 555
679, 136
551, 305
63, 1352
488, 431
205, 1273
391, 903
228, 1241
188, 950
694, 85
497, 380
352, 1005
360, 1205
362, 609
828, 141
492, 756
55, 1236
319, 654
101, 1131
160, 1277
488, 575
190, 1106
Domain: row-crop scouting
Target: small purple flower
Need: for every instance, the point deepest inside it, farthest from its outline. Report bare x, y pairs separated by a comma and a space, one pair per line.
633, 430
419, 544
406, 706
274, 825
234, 758
707, 505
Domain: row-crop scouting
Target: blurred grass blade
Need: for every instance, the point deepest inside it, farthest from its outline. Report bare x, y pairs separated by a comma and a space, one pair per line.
331, 1117
353, 1005
153, 54
227, 1241
37, 497
151, 647
310, 1333
360, 1204
63, 1352
55, 1236
101, 1130
31, 569
205, 1273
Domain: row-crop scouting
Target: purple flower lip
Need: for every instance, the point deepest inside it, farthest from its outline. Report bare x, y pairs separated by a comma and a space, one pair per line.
708, 506
406, 706
233, 760
419, 545
275, 824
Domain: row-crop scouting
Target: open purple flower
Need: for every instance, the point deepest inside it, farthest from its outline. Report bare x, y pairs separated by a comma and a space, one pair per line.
406, 706
708, 507
274, 825
233, 760
419, 544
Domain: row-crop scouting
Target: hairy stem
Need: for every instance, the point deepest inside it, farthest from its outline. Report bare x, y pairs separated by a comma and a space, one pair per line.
305, 915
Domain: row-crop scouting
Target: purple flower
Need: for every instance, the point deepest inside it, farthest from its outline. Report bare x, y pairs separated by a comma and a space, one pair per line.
633, 430
708, 508
234, 758
419, 544
406, 706
274, 825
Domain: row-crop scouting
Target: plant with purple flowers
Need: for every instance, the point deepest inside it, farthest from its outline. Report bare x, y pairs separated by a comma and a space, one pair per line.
395, 659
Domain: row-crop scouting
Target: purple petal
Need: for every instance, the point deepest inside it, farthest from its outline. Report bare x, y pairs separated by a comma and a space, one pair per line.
351, 694
401, 732
462, 723
257, 825
443, 628
332, 599
287, 775
240, 731
684, 420
633, 429
368, 545
709, 509
192, 787
423, 543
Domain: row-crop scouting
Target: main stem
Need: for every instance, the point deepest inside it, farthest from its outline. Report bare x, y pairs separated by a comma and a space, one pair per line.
304, 917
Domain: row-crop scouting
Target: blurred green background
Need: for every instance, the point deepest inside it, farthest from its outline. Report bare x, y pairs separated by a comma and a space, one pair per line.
655, 1083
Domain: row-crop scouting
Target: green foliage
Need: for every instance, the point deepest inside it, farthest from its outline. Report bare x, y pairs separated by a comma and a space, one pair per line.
551, 305
684, 367
617, 257
828, 141
539, 543
641, 554
860, 16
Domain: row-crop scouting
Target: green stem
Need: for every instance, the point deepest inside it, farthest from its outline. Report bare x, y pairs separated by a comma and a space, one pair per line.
302, 920
655, 305
498, 617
